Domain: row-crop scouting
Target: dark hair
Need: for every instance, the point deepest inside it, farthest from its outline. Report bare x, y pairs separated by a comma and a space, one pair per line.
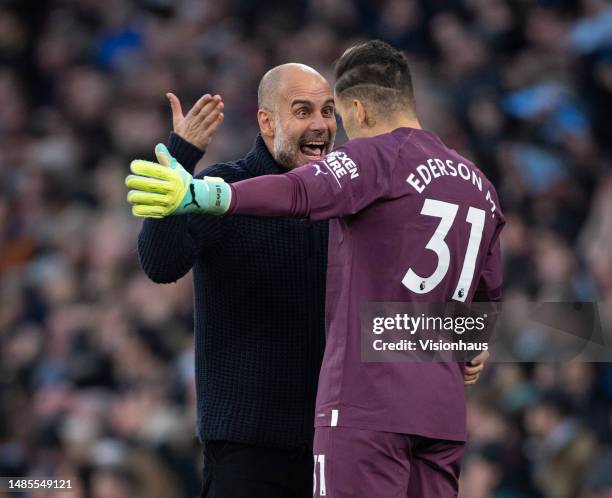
378, 73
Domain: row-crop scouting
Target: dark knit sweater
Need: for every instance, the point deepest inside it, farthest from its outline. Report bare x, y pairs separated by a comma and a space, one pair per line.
259, 305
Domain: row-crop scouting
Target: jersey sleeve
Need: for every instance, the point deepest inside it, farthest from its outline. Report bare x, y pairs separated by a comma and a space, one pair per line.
345, 181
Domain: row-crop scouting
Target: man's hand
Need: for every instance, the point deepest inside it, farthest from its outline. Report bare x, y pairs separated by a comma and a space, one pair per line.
165, 189
474, 368
201, 121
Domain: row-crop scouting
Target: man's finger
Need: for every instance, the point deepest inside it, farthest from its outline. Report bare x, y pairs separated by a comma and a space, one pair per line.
209, 108
146, 184
164, 157
199, 105
212, 115
480, 358
145, 211
148, 168
213, 127
148, 198
177, 110
471, 376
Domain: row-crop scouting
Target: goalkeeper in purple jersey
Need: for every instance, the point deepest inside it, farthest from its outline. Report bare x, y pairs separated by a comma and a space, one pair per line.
411, 220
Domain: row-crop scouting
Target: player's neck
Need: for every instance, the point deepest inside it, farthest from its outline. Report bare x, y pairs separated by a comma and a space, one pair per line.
388, 126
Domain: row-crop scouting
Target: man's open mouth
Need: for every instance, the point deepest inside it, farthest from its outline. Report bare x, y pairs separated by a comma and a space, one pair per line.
313, 149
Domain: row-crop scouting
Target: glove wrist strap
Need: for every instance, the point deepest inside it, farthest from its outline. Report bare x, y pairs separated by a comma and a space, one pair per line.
210, 195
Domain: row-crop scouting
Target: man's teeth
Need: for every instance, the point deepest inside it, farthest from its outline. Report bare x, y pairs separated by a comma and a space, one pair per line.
315, 147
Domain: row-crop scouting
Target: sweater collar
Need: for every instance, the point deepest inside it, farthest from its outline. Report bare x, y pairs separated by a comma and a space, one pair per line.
259, 161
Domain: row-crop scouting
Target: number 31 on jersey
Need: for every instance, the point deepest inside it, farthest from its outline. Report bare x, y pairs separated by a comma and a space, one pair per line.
447, 213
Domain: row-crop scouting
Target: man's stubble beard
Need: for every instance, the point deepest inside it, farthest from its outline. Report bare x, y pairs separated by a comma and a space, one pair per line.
286, 153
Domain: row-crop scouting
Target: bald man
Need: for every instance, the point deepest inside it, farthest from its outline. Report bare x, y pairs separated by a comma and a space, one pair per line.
259, 294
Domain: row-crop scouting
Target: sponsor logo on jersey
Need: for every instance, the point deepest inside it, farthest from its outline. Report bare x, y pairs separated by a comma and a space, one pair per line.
341, 165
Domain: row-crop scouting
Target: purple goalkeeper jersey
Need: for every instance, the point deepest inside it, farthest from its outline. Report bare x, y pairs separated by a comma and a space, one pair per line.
410, 220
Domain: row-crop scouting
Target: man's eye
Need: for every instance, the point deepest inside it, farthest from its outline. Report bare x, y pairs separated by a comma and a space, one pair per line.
302, 113
328, 113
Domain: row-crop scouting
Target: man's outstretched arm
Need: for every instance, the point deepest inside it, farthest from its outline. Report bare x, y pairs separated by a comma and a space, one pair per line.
166, 247
330, 188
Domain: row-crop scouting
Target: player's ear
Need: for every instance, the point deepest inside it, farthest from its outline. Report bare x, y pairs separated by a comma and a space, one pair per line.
266, 122
361, 113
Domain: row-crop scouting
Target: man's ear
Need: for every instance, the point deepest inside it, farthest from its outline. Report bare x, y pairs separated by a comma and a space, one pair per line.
364, 119
266, 123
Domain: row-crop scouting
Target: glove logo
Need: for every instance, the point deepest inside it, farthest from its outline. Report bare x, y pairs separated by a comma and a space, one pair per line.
193, 197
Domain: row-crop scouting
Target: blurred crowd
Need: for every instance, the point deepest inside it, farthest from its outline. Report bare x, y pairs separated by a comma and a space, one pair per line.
96, 362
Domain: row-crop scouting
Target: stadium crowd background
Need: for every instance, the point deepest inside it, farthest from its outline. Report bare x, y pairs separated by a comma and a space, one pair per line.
96, 362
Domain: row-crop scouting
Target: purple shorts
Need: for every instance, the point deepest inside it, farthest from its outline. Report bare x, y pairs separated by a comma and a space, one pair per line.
372, 464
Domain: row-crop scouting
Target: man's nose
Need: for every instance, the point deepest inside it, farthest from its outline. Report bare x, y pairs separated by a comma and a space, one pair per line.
318, 122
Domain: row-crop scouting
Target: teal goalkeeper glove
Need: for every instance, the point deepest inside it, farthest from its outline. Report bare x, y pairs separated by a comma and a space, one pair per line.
166, 189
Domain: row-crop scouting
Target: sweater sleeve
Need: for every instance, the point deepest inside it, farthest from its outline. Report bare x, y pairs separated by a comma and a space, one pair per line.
167, 247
